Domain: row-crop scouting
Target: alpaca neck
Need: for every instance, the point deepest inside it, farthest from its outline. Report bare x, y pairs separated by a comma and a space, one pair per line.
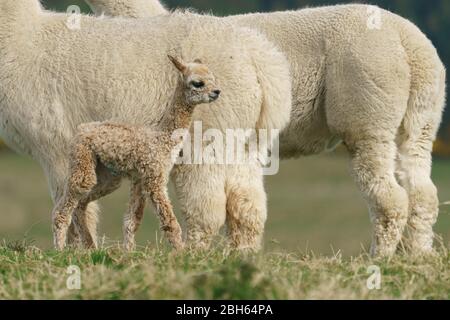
179, 115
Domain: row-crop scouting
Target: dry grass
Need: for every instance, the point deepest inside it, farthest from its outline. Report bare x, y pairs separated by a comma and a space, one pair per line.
153, 273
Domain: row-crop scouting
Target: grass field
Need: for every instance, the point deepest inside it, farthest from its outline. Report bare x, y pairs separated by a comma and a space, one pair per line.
313, 207
29, 273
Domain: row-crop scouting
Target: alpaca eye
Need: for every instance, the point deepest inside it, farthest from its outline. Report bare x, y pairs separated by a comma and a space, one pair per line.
198, 84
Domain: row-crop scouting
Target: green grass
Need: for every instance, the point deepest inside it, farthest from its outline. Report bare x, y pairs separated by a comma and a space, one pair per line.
314, 206
156, 274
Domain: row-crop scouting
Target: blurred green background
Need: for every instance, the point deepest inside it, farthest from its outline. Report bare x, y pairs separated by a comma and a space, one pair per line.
313, 202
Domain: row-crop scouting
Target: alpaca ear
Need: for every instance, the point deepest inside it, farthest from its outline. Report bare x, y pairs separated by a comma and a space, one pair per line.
179, 64
198, 61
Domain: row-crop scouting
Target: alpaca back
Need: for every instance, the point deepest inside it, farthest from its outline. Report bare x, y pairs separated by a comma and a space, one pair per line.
127, 8
97, 73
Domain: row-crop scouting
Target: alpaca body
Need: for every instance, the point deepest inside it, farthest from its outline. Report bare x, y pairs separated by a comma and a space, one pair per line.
54, 77
369, 78
104, 153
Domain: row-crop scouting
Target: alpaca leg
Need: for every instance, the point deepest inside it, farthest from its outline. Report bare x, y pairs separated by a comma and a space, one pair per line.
414, 173
62, 217
415, 140
366, 102
56, 173
86, 226
134, 215
424, 204
246, 208
201, 194
83, 180
86, 222
168, 220
373, 163
169, 223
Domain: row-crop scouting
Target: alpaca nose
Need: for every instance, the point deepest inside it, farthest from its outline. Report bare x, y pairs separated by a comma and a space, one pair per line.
214, 94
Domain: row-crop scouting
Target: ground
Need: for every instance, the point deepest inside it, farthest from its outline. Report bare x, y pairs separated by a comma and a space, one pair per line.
317, 237
152, 273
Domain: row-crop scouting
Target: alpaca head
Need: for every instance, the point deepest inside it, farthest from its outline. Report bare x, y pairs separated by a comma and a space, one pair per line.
199, 84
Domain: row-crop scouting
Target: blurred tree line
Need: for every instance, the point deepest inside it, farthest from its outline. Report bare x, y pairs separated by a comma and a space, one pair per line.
433, 17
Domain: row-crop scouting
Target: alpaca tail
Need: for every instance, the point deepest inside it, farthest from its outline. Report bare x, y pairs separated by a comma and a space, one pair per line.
272, 69
427, 93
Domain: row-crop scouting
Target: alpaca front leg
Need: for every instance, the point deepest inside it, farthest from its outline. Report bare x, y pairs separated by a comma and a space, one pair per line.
246, 209
62, 217
373, 164
134, 215
168, 220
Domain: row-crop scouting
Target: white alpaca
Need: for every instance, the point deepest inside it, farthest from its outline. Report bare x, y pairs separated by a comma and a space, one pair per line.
103, 153
372, 79
56, 73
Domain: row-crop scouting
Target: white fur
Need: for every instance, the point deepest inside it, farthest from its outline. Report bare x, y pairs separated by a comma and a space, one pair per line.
53, 78
134, 8
381, 90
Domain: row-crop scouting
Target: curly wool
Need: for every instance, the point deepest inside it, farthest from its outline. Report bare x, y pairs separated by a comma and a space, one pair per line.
104, 153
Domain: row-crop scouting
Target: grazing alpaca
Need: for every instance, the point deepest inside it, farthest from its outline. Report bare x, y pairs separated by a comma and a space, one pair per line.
103, 153
369, 78
56, 74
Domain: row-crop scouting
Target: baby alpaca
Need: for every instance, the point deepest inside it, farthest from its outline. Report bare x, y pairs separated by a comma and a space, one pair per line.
104, 153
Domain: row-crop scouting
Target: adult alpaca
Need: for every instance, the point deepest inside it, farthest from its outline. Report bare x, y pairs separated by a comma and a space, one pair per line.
57, 72
372, 79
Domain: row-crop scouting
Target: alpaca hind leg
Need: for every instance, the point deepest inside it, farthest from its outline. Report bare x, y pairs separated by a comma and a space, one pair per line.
246, 209
62, 217
415, 143
373, 163
134, 215
86, 223
56, 172
82, 181
414, 173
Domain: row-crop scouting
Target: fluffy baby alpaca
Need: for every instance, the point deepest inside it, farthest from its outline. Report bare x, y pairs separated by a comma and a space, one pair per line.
103, 153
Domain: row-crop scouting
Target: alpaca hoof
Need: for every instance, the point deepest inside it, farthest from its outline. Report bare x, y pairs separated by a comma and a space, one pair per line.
179, 246
59, 247
129, 246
